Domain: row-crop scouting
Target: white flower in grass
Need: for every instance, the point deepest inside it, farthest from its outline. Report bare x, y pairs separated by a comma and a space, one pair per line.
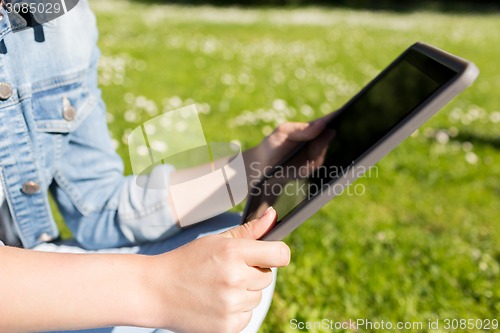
181, 126
453, 132
471, 158
150, 128
151, 109
483, 266
109, 117
326, 108
495, 117
142, 102
115, 143
266, 130
243, 78
236, 142
476, 113
467, 146
227, 79
130, 116
209, 46
129, 98
175, 102
306, 110
429, 132
278, 78
279, 104
455, 115
142, 150
112, 69
203, 108
125, 136
159, 146
291, 112
300, 73
476, 254
442, 137
267, 116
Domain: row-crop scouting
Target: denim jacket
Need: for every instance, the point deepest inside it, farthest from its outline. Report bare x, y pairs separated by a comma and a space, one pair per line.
54, 137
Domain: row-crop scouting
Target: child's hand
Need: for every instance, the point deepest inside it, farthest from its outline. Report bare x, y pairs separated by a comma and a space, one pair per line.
282, 141
212, 284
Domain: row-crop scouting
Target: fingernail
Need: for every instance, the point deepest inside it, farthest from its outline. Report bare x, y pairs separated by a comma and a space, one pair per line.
268, 209
285, 255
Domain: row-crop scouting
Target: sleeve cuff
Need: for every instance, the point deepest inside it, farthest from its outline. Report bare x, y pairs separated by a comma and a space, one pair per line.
143, 213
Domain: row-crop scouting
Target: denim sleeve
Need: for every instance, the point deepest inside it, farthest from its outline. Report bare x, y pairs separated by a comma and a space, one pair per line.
102, 207
143, 212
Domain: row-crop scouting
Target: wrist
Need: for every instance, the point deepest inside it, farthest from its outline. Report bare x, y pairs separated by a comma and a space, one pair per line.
144, 303
155, 292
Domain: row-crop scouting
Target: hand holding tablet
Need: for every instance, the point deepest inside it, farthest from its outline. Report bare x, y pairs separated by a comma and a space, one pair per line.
391, 107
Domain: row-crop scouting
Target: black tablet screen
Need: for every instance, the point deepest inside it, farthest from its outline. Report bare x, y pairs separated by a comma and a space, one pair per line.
359, 125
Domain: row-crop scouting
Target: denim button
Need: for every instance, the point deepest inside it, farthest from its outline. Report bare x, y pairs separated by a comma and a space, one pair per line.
69, 111
30, 187
5, 91
45, 237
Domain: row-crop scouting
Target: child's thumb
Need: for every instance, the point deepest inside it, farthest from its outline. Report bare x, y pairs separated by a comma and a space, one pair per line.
254, 229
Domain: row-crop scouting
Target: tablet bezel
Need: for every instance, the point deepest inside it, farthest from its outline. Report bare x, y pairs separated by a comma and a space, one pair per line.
466, 74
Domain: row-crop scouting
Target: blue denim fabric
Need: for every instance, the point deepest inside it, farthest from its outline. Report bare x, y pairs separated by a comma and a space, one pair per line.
74, 159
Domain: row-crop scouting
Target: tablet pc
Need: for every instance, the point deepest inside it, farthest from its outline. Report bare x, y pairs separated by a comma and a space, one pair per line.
390, 108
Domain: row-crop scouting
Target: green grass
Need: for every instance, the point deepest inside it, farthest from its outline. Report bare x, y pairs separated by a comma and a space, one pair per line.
423, 241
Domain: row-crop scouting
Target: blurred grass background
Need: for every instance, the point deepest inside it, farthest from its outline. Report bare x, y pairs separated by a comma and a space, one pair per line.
423, 241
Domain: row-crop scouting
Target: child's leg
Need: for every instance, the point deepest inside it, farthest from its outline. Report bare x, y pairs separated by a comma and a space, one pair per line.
212, 226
